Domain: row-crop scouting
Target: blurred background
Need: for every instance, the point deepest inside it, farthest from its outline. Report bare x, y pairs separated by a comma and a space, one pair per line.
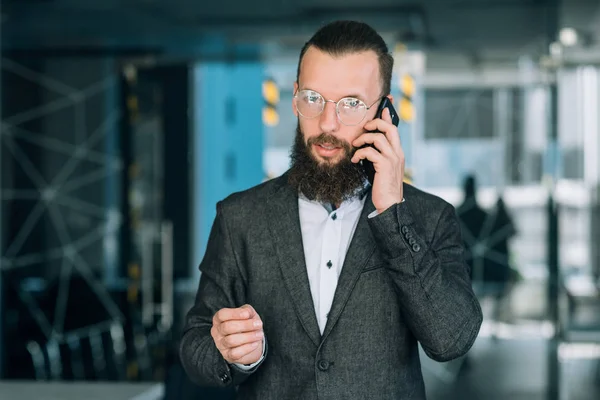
124, 122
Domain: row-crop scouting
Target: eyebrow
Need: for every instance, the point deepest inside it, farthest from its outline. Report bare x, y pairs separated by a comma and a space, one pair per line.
355, 95
358, 96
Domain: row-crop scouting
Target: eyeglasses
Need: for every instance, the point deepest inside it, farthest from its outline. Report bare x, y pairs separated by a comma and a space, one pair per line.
350, 110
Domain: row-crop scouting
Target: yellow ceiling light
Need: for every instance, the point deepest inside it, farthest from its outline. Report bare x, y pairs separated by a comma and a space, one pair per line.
270, 92
270, 116
407, 85
406, 110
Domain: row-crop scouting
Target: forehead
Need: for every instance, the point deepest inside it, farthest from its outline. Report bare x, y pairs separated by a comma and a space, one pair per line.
338, 76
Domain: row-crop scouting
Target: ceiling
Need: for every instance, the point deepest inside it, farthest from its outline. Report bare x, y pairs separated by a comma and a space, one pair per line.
475, 28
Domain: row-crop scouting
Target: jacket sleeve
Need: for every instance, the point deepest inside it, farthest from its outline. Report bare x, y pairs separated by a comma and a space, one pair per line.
221, 285
432, 279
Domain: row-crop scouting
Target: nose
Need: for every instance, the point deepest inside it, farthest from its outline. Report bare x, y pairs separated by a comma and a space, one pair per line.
328, 121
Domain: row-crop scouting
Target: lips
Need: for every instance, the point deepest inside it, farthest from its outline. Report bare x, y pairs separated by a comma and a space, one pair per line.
327, 150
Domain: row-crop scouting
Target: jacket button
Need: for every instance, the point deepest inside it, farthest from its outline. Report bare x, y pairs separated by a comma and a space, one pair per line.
412, 241
224, 378
416, 247
404, 229
323, 365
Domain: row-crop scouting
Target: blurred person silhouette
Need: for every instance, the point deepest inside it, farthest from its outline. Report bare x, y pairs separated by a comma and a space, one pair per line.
500, 274
319, 284
486, 237
473, 220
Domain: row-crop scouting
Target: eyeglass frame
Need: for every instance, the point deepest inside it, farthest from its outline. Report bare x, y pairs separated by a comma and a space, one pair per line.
337, 113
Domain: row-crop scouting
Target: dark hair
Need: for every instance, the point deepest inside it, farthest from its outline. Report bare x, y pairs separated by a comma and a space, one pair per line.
344, 37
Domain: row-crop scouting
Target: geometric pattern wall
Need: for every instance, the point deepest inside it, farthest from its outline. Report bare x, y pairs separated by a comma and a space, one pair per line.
72, 175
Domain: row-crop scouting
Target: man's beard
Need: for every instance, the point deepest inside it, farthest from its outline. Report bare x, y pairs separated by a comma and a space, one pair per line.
323, 181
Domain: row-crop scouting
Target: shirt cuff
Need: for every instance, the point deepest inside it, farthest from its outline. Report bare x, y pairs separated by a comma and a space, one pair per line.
245, 367
376, 213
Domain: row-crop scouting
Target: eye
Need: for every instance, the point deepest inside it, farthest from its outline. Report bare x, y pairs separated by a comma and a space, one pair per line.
352, 103
312, 97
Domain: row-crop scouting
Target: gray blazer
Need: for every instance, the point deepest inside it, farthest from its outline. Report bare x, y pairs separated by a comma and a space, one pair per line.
404, 281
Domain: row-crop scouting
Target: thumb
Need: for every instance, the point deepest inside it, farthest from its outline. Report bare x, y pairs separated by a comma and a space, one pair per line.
250, 309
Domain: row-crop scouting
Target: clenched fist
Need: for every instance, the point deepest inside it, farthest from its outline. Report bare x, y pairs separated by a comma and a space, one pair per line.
238, 334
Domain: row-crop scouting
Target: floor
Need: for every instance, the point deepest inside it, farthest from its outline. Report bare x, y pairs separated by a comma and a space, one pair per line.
24, 390
515, 369
511, 360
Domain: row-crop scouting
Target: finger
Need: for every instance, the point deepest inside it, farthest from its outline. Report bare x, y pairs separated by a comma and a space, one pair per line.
393, 138
386, 115
379, 125
237, 354
368, 153
217, 337
388, 129
239, 326
379, 140
227, 314
240, 339
257, 321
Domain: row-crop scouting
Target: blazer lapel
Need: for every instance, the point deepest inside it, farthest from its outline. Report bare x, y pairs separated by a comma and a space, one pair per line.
362, 247
287, 237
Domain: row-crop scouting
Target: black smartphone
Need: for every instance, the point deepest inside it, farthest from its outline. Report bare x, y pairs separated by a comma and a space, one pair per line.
368, 165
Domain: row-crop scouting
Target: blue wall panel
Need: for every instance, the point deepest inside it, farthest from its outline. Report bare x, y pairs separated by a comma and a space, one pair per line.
227, 138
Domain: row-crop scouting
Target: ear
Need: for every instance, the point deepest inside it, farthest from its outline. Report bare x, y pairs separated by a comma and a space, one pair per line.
389, 96
294, 106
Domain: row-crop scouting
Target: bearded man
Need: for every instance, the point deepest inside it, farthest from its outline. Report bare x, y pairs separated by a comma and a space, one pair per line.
319, 284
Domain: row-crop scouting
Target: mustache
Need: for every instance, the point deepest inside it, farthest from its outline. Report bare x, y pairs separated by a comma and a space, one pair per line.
324, 138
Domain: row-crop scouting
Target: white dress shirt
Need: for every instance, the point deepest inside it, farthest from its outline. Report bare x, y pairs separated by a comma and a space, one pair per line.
326, 235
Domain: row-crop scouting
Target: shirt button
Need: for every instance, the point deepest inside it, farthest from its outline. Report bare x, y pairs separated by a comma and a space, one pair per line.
334, 216
329, 264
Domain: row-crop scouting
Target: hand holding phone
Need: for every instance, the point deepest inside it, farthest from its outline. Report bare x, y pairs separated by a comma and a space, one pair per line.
368, 165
